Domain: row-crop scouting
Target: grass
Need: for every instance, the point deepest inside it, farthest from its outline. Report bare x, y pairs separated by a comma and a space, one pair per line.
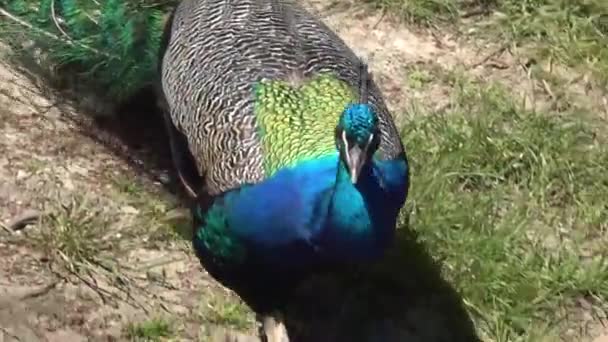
573, 33
512, 202
151, 330
80, 230
75, 233
226, 311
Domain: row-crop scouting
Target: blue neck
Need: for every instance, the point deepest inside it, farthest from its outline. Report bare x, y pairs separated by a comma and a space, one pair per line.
360, 221
312, 210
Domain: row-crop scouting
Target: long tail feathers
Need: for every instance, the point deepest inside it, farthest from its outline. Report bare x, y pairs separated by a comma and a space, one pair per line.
111, 45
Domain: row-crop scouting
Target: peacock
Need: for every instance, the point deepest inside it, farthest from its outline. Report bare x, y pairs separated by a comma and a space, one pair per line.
278, 132
302, 166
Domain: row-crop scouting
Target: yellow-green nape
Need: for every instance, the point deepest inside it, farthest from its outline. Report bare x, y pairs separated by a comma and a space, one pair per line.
298, 123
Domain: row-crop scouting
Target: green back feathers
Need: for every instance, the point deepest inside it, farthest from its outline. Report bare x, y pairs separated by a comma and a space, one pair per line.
298, 123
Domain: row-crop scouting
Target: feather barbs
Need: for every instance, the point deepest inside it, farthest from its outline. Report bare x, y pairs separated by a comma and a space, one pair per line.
297, 123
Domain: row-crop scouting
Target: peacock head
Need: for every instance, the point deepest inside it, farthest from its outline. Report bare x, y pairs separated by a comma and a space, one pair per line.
357, 137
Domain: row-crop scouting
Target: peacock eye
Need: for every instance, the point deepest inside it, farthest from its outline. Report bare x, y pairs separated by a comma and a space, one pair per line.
347, 139
338, 132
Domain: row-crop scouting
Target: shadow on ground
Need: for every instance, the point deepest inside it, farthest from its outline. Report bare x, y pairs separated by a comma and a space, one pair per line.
404, 298
136, 133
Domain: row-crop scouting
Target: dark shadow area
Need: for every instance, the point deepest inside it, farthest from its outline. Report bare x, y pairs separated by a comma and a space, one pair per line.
132, 130
136, 133
403, 298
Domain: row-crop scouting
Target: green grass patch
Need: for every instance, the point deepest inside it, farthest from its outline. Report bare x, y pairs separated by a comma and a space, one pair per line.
424, 12
75, 232
514, 204
151, 330
226, 311
573, 33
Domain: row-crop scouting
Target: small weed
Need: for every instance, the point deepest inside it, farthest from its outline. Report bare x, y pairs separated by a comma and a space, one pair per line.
419, 77
423, 12
128, 185
227, 311
75, 232
151, 330
161, 221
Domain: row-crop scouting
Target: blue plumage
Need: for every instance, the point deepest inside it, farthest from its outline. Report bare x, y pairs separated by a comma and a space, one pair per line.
340, 207
316, 205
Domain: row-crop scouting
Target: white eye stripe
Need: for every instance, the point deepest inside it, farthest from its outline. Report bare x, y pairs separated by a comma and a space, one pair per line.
344, 139
369, 142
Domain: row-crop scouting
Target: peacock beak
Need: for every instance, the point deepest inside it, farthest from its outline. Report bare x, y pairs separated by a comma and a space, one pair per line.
355, 157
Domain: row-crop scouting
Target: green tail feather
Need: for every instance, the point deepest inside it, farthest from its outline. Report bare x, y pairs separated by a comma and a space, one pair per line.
111, 45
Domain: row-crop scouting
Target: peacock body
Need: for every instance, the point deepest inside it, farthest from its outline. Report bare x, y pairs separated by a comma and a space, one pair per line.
299, 171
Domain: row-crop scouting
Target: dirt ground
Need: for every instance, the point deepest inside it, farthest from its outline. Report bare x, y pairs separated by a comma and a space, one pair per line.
48, 165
